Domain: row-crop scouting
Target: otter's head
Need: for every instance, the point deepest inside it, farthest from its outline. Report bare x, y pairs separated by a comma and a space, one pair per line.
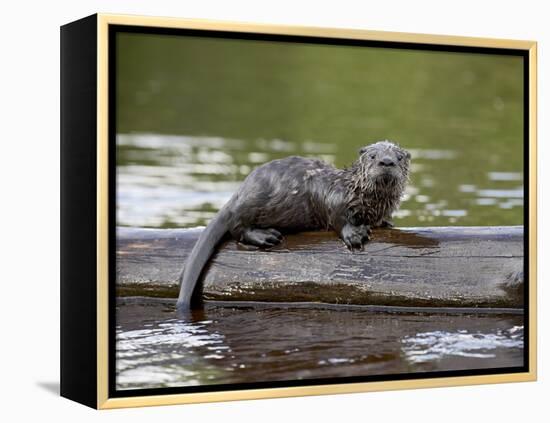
385, 163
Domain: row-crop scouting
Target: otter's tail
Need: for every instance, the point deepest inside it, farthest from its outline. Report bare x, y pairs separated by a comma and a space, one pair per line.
200, 254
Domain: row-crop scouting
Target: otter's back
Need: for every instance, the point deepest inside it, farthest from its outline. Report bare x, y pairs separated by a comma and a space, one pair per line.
281, 194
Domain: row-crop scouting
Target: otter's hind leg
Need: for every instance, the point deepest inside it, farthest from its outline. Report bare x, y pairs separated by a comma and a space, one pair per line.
261, 237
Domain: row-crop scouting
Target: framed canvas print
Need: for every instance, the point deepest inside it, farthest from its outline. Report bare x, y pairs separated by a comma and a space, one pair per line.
255, 211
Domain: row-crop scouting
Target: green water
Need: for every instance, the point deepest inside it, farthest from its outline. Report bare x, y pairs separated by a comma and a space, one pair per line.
195, 115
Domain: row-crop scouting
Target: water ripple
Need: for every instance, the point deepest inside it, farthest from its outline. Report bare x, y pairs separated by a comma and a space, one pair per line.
429, 346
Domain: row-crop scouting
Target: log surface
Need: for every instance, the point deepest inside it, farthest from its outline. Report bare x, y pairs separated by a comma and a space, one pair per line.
411, 267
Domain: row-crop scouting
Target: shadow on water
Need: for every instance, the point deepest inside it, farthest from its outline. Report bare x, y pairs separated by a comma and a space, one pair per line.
248, 344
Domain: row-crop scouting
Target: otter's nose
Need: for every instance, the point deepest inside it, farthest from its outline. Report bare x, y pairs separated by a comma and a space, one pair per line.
386, 161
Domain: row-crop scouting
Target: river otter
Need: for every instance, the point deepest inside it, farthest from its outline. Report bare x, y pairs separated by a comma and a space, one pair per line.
298, 194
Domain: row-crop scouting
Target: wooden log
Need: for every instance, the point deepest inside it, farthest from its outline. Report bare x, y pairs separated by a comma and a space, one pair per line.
471, 267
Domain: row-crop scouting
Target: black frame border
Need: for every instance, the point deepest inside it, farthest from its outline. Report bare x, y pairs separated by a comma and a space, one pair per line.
78, 211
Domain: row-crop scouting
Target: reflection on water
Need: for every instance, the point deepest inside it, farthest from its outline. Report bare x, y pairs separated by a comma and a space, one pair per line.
181, 181
195, 115
237, 345
428, 346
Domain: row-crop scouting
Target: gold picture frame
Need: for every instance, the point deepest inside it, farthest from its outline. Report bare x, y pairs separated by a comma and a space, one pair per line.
96, 33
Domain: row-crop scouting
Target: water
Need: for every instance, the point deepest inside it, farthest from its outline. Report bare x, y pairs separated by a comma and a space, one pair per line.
196, 115
182, 181
154, 349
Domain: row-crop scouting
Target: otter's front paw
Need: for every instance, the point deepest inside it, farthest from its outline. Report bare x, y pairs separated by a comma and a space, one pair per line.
355, 236
386, 224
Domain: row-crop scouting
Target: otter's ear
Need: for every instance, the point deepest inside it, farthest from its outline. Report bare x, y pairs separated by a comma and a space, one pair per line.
362, 150
407, 154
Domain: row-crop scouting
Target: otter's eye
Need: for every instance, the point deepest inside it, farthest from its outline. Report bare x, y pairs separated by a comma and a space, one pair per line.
399, 157
373, 156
